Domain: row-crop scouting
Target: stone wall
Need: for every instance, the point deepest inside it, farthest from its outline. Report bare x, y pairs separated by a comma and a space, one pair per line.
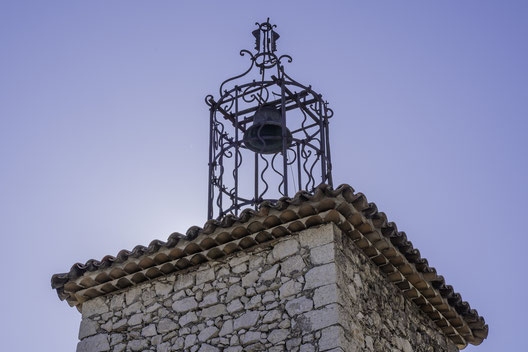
374, 314
313, 291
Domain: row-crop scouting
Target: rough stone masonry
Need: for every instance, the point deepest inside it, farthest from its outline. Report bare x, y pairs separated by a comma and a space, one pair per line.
309, 291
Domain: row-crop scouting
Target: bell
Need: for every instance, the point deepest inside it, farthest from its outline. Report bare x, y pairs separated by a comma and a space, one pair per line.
265, 135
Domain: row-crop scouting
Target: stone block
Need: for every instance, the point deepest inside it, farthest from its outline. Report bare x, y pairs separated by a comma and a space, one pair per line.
214, 311
285, 249
188, 318
137, 345
234, 291
94, 306
290, 288
132, 295
325, 295
184, 305
298, 306
250, 278
323, 254
235, 306
321, 318
208, 333
271, 316
209, 299
208, 348
190, 340
246, 320
205, 276
166, 325
184, 281
331, 337
163, 288
133, 308
269, 274
119, 348
320, 276
278, 335
149, 330
250, 337
97, 343
117, 301
227, 328
293, 265
136, 319
240, 268
163, 347
88, 328
317, 236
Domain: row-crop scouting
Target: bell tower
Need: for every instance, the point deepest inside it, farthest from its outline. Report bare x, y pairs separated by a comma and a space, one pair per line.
268, 135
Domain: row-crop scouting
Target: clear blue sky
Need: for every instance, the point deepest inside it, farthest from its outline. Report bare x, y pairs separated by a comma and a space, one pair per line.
103, 134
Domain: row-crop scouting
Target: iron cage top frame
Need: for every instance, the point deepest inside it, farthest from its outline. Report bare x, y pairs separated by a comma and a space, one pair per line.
303, 111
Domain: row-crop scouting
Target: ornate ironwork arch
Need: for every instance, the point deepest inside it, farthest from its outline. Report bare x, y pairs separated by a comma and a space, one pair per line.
240, 177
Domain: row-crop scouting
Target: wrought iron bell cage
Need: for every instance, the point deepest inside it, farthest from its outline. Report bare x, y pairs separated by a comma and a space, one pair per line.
268, 133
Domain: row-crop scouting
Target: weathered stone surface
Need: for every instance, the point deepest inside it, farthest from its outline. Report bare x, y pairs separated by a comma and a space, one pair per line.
246, 320
137, 345
166, 325
235, 306
269, 274
164, 347
93, 307
149, 330
133, 308
184, 281
320, 276
208, 333
204, 276
307, 348
208, 348
298, 306
250, 278
190, 340
285, 249
119, 348
88, 328
163, 288
235, 291
322, 318
209, 299
293, 265
97, 343
117, 302
250, 337
278, 335
185, 304
227, 328
331, 337
133, 295
272, 316
188, 318
120, 325
136, 319
318, 236
214, 311
290, 288
325, 295
240, 268
323, 254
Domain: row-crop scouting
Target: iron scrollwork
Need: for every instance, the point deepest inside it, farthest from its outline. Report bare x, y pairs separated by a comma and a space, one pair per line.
302, 158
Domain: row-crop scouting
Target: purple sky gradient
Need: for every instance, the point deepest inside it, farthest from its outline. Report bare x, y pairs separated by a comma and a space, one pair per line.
103, 135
